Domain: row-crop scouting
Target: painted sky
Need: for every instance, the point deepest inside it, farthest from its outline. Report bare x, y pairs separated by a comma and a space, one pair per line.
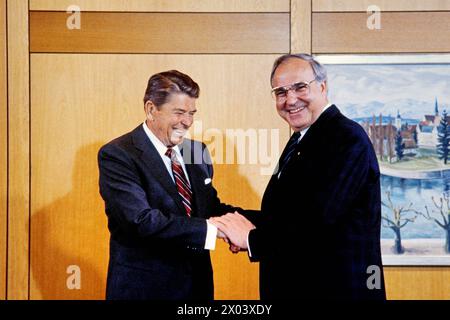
394, 86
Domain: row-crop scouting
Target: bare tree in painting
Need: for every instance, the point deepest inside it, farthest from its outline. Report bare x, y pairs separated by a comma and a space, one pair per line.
443, 209
400, 218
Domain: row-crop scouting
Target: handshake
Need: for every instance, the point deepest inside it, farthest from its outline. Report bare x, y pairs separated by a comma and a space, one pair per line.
233, 228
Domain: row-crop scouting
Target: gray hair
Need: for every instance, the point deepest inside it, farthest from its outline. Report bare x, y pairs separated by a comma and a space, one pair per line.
319, 70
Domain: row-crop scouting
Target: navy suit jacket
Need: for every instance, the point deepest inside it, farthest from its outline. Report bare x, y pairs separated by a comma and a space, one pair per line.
156, 250
319, 229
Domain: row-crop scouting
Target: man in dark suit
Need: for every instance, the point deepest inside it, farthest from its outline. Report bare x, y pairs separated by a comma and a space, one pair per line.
318, 234
158, 196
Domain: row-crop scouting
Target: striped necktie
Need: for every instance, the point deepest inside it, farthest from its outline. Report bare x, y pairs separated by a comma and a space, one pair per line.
288, 151
183, 186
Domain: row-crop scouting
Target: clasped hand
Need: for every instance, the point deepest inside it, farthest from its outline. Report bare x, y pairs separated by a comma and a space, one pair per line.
233, 228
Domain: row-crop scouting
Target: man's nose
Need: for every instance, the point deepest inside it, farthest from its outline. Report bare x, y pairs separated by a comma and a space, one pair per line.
187, 121
291, 97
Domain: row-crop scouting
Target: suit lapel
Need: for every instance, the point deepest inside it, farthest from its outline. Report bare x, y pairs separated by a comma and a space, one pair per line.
317, 127
155, 165
307, 142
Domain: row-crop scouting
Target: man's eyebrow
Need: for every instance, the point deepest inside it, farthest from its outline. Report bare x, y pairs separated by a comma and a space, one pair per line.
184, 110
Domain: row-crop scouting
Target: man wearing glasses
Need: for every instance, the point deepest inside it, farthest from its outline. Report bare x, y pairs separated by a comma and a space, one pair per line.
318, 234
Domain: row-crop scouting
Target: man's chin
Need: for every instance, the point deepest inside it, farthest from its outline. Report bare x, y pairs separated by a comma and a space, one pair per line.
177, 140
298, 122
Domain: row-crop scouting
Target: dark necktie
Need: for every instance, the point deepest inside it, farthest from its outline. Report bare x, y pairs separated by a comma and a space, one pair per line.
183, 186
288, 151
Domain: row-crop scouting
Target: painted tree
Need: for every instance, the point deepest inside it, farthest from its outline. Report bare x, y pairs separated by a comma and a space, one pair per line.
442, 210
442, 147
400, 218
414, 134
399, 146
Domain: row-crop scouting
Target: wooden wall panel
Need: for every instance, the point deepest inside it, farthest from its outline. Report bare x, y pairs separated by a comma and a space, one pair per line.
384, 5
400, 32
165, 6
161, 33
19, 142
418, 283
79, 102
301, 26
3, 149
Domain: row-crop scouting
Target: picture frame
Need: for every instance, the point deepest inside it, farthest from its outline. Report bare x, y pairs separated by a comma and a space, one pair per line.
399, 100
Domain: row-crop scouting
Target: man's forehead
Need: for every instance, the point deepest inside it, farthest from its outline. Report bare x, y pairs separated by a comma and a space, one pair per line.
292, 70
294, 65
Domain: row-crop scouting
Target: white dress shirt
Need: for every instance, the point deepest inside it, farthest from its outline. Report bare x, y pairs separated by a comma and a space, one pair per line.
211, 234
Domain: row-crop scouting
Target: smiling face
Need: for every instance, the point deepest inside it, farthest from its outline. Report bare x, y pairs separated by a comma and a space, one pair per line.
171, 121
299, 110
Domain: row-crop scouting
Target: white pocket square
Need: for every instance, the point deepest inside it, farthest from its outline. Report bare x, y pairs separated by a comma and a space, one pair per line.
207, 180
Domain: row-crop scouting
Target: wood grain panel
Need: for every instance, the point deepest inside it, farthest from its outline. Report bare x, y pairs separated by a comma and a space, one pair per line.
79, 102
418, 283
165, 6
161, 33
19, 142
301, 26
384, 5
400, 32
3, 149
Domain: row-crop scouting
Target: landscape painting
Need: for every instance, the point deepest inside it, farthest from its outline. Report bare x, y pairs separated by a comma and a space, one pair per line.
403, 104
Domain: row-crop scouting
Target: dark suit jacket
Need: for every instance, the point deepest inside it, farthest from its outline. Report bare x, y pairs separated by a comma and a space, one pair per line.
319, 229
156, 251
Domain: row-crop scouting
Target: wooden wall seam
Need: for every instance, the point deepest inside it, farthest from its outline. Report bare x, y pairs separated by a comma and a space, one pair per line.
164, 6
301, 26
29, 151
3, 150
290, 26
18, 155
7, 149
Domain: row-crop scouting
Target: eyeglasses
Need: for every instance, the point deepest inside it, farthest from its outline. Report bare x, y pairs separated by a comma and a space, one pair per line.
300, 88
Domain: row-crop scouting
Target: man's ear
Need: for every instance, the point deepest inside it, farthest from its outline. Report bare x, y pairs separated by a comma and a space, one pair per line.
149, 108
324, 87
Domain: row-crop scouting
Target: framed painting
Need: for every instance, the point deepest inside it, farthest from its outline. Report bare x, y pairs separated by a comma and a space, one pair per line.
403, 104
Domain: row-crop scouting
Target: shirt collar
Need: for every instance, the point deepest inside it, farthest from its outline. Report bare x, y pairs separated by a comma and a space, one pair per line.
326, 107
160, 147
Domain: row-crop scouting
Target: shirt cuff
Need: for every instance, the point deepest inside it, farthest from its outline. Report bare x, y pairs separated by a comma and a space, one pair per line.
211, 235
